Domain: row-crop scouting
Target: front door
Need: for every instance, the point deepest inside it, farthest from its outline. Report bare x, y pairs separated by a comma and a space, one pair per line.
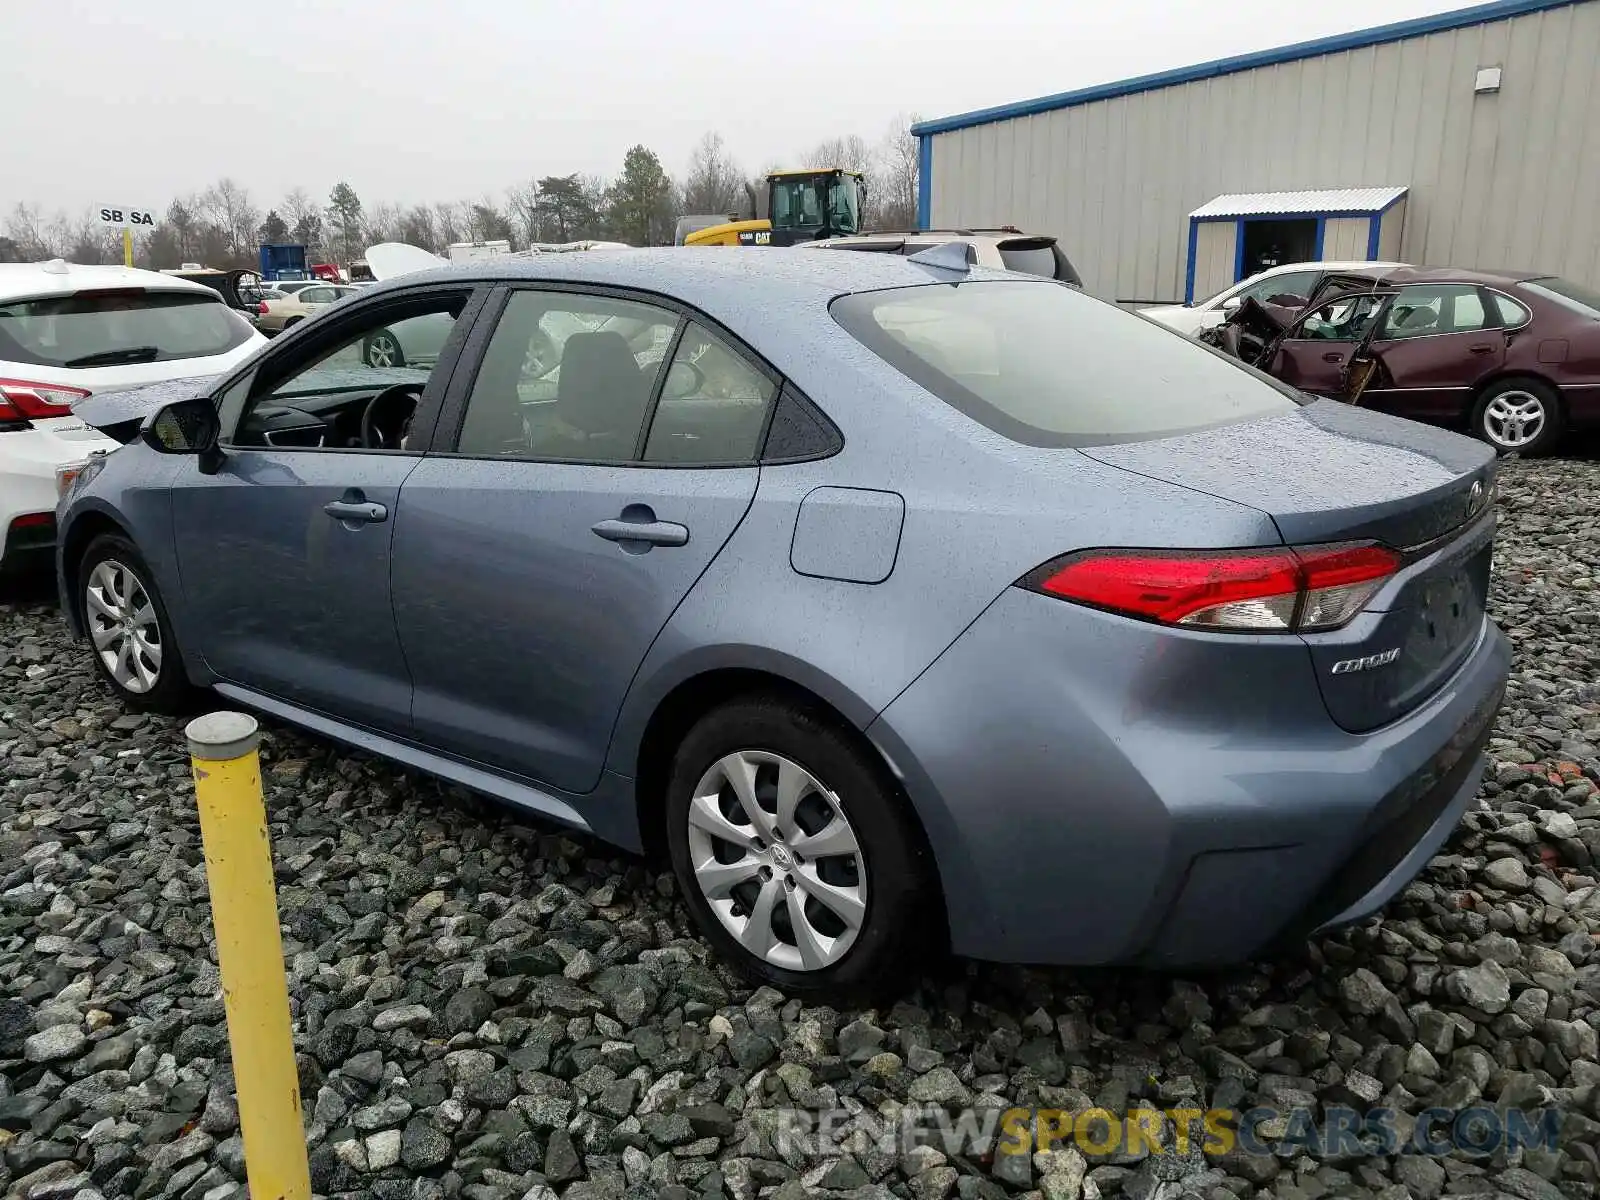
1434, 345
284, 550
1319, 353
588, 490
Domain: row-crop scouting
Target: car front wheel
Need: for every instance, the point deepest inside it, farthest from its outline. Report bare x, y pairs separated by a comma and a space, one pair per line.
129, 629
794, 853
1519, 415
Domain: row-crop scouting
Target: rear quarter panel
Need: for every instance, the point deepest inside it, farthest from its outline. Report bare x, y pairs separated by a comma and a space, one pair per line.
980, 512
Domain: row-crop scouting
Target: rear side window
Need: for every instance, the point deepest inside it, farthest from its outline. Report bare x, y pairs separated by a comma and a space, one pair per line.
1038, 256
1512, 314
1049, 366
108, 328
713, 405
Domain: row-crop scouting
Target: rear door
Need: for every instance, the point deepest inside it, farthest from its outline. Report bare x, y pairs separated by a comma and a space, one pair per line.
1434, 345
582, 486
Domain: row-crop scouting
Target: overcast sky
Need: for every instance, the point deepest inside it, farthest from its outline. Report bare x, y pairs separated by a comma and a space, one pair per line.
425, 100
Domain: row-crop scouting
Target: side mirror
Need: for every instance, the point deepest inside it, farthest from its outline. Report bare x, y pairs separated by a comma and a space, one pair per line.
186, 427
1232, 305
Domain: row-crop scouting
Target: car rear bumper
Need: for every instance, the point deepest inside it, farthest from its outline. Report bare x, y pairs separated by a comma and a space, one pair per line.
1100, 790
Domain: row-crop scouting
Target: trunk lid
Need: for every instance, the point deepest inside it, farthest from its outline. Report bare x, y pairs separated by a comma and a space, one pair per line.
1333, 473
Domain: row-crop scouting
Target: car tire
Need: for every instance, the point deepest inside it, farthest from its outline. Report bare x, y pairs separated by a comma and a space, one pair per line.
130, 633
876, 877
1519, 415
292, 321
382, 349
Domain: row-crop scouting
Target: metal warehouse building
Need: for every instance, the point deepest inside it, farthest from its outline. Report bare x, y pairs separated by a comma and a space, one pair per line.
1466, 139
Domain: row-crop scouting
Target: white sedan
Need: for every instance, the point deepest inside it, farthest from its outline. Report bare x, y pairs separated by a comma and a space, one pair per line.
68, 331
1291, 279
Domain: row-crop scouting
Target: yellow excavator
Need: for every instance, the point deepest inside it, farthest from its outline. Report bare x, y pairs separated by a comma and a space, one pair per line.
801, 206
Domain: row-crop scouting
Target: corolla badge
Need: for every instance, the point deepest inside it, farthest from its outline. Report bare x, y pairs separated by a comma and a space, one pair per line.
1381, 659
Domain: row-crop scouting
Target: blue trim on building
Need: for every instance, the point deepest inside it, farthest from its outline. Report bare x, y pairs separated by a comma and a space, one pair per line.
1374, 232
924, 181
1238, 249
1322, 232
1398, 31
1194, 247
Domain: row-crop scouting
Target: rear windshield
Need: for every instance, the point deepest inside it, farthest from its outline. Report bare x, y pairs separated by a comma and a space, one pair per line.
1047, 365
100, 329
1567, 294
1038, 256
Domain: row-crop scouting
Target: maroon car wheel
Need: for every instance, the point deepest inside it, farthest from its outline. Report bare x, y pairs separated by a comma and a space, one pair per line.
1519, 416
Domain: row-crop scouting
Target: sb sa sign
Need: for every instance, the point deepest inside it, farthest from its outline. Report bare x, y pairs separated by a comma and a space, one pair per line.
130, 217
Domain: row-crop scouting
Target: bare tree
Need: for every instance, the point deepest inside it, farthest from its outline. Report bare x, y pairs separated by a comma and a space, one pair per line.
26, 227
227, 206
893, 193
448, 223
714, 182
304, 217
522, 203
486, 221
383, 223
417, 228
852, 153
89, 241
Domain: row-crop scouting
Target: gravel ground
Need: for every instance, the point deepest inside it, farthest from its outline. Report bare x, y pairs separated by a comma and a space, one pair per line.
495, 1010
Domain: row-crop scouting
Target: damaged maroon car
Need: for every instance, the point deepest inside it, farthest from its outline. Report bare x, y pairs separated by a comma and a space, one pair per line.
1514, 356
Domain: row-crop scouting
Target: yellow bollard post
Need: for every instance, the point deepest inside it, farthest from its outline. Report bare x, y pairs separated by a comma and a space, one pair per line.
127, 247
244, 911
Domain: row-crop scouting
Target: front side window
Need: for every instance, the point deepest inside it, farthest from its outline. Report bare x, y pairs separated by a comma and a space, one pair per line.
1347, 319
1047, 365
566, 376
713, 405
331, 399
1420, 311
1295, 284
109, 328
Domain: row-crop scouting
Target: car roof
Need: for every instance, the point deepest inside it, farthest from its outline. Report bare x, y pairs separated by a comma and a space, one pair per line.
57, 278
721, 280
1410, 275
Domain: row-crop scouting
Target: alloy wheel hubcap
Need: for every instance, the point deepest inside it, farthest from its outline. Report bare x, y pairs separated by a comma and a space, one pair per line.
123, 626
777, 860
1513, 419
381, 352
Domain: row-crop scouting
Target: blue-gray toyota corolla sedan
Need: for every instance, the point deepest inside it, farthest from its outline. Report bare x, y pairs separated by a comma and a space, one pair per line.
897, 603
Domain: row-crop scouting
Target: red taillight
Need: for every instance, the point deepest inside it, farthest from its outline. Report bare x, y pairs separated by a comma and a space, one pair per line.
32, 520
22, 400
262, 308
1306, 588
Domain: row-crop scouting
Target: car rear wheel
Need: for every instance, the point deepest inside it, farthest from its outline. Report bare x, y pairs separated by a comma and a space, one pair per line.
382, 349
128, 627
795, 854
1519, 415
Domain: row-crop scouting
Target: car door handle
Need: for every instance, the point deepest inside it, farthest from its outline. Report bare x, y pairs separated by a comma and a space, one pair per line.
1333, 357
360, 512
654, 533
1480, 348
